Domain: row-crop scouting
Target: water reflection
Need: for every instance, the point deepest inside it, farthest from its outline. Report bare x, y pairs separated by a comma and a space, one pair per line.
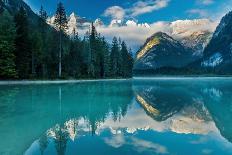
124, 117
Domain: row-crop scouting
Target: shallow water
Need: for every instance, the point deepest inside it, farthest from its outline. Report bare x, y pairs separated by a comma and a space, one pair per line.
139, 117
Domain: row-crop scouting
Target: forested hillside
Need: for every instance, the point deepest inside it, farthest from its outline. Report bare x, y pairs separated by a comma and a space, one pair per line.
31, 49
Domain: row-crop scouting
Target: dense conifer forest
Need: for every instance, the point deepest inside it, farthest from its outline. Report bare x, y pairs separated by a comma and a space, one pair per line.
38, 51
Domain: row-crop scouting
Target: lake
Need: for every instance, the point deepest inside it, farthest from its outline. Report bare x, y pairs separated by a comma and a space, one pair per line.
140, 117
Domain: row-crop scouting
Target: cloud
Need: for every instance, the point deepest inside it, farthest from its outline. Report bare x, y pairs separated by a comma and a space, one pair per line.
115, 12
200, 12
133, 35
136, 36
205, 2
144, 145
142, 7
140, 145
138, 8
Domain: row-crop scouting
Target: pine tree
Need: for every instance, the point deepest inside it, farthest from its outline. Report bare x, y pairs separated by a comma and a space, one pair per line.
43, 36
114, 56
1, 7
61, 25
93, 49
106, 59
37, 54
131, 63
126, 61
43, 14
23, 45
7, 36
74, 58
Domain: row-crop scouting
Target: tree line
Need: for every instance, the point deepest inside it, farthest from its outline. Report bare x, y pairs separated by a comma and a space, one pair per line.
42, 52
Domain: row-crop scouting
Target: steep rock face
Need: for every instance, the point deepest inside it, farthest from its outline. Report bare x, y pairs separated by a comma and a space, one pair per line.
197, 41
194, 34
161, 50
218, 53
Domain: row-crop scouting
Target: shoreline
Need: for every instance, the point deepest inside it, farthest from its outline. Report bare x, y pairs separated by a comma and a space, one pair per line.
28, 82
184, 78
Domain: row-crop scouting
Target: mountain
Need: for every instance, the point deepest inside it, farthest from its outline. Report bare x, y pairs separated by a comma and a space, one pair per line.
185, 41
194, 34
12, 6
135, 24
129, 23
218, 53
98, 23
116, 23
75, 22
197, 41
162, 51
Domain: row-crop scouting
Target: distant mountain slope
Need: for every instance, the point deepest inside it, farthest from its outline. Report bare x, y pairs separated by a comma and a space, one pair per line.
161, 50
218, 53
75, 22
13, 6
194, 34
197, 41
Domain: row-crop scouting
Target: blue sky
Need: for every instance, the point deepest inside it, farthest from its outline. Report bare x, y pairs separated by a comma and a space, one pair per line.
157, 13
142, 10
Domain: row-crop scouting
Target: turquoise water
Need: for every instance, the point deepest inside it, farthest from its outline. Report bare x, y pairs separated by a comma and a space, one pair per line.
139, 117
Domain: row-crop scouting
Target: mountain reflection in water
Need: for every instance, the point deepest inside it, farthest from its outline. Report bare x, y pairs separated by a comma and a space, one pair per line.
123, 117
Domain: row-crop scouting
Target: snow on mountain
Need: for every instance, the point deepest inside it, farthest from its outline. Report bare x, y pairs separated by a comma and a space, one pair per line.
116, 23
75, 22
51, 20
72, 24
131, 23
213, 61
194, 34
135, 24
146, 25
183, 28
98, 23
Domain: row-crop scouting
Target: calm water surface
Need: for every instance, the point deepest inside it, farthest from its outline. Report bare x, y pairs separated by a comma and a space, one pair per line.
139, 117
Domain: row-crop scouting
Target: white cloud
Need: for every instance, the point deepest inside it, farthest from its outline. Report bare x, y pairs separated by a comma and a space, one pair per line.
138, 8
142, 7
205, 2
135, 36
115, 12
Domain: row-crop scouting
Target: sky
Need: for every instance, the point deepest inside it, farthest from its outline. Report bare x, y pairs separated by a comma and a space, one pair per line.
157, 13
148, 11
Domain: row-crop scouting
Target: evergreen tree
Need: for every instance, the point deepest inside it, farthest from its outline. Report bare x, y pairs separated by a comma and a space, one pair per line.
7, 36
43, 36
85, 53
74, 58
23, 45
114, 56
1, 7
61, 25
100, 50
92, 54
43, 14
106, 59
37, 54
126, 61
131, 63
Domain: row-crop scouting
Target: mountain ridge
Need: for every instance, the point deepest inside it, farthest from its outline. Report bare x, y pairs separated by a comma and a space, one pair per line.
161, 50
